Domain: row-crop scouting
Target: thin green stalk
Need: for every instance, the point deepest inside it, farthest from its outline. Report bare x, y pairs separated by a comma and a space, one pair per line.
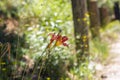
38, 62
41, 70
18, 45
47, 55
24, 72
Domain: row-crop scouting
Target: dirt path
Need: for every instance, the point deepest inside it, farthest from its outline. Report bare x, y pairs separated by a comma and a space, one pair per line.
111, 70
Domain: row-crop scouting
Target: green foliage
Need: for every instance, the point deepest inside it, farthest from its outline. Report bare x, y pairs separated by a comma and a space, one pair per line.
57, 63
108, 3
111, 28
98, 50
82, 72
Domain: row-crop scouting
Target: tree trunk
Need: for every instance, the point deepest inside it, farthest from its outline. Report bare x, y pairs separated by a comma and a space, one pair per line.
80, 17
104, 15
94, 17
117, 10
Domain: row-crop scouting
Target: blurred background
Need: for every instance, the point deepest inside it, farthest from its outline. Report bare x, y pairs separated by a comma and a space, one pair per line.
89, 25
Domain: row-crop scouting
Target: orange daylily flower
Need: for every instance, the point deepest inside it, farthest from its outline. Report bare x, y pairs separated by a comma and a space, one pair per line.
60, 40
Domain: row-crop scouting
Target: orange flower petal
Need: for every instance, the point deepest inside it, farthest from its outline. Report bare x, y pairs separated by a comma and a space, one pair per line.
58, 43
